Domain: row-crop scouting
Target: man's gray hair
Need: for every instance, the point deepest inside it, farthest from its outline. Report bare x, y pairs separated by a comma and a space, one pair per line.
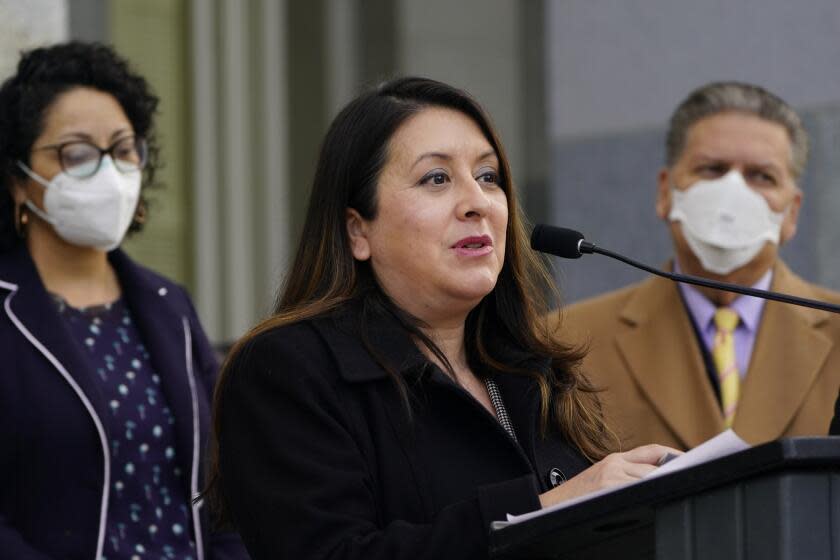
721, 97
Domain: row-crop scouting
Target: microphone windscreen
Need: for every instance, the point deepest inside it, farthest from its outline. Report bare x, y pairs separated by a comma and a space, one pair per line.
558, 241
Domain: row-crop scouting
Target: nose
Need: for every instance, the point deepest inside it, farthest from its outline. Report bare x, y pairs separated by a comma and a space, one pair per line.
473, 201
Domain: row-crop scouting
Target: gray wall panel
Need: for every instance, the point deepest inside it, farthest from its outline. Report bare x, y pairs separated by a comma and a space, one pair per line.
618, 65
604, 187
822, 195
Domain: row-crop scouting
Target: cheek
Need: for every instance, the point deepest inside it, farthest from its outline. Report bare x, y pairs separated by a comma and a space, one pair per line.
776, 202
499, 225
421, 232
500, 219
402, 236
779, 200
423, 224
677, 235
45, 166
34, 192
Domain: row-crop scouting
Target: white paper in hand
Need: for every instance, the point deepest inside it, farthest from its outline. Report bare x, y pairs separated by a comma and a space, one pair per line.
725, 443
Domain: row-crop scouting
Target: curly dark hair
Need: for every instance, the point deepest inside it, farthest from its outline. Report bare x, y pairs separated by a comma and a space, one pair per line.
42, 75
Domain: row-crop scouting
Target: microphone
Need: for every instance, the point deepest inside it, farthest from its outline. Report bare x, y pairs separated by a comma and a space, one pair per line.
571, 244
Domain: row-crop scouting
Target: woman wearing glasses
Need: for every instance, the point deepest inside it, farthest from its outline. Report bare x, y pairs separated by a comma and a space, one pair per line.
106, 373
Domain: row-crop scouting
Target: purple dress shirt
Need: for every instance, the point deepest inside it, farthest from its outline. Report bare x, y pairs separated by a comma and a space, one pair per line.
748, 308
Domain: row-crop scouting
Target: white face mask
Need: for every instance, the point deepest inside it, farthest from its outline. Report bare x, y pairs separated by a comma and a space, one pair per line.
725, 222
91, 212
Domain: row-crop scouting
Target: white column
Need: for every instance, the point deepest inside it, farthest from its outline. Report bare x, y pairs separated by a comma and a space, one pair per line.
239, 268
241, 161
342, 52
274, 147
205, 130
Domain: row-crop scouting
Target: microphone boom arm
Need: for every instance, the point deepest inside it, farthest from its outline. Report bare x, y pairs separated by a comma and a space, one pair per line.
587, 247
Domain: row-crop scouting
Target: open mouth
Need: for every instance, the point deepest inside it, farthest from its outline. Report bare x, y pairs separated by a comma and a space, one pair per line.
474, 243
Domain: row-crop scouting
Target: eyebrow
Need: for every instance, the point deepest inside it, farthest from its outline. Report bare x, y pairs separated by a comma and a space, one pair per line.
488, 154
69, 136
769, 165
765, 167
447, 157
431, 155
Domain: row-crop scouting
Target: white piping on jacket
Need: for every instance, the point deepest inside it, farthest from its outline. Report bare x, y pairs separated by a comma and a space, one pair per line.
106, 456
194, 506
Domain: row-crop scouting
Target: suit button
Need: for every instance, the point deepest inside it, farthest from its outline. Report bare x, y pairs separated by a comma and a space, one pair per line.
556, 477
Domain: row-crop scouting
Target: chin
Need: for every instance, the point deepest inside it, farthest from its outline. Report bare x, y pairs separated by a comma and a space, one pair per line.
474, 290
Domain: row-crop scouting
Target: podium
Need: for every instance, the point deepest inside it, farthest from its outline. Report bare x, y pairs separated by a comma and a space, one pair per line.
776, 501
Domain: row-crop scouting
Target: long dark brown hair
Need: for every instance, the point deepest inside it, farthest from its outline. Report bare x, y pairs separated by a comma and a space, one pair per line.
506, 333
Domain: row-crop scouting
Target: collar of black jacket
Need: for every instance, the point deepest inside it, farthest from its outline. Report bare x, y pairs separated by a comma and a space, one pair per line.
138, 284
18, 268
395, 349
367, 354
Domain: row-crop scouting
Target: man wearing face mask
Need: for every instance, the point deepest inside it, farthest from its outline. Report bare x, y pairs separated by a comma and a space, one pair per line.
681, 364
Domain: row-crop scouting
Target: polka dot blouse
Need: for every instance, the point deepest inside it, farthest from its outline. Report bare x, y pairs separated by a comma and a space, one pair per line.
148, 511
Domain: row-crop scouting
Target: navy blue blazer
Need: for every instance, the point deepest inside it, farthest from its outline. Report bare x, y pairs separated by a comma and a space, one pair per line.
319, 458
55, 458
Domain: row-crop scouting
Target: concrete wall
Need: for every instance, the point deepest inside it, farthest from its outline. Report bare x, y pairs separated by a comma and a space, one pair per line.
615, 72
616, 65
24, 25
454, 49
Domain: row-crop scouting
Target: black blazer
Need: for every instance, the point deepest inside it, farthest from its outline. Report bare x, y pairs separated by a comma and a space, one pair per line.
834, 430
319, 458
54, 447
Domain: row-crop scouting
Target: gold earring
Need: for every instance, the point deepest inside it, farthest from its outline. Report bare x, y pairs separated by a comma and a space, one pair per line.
21, 219
140, 213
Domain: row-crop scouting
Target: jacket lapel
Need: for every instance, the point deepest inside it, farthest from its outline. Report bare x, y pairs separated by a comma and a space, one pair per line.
31, 309
788, 354
521, 398
397, 351
161, 326
663, 356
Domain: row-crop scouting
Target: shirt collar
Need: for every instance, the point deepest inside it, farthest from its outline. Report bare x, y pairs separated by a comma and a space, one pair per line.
749, 308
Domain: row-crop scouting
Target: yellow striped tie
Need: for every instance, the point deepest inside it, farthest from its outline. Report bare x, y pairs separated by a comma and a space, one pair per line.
723, 352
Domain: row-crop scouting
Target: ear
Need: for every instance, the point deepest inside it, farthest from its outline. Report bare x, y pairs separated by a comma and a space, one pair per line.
791, 218
17, 188
357, 228
663, 193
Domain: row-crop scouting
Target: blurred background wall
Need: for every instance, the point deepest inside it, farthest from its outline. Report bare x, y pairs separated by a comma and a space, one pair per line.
25, 24
580, 91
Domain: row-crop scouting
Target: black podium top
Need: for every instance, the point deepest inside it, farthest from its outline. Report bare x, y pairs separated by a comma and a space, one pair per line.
630, 510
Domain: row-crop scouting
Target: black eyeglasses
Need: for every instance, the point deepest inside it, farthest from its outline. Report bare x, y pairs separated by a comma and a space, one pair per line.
81, 159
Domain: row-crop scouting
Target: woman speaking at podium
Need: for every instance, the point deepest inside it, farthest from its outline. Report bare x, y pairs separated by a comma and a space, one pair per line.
404, 394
